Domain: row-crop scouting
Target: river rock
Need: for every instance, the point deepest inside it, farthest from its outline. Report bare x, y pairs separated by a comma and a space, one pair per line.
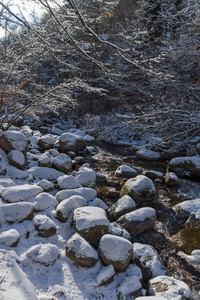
116, 251
45, 254
106, 275
62, 162
16, 212
13, 140
79, 250
153, 175
122, 206
139, 220
27, 131
71, 142
45, 160
98, 203
130, 287
148, 154
193, 220
171, 179
67, 182
43, 201
45, 173
140, 188
86, 177
126, 172
46, 141
17, 159
87, 193
44, 226
148, 261
91, 223
9, 237
169, 288
66, 208
46, 185
20, 193
185, 166
118, 230
185, 208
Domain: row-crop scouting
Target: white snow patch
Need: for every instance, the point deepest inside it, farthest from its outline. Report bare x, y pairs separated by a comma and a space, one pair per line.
9, 237
105, 273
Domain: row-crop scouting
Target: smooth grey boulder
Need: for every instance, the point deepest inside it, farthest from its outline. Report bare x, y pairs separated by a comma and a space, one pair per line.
139, 220
140, 188
17, 159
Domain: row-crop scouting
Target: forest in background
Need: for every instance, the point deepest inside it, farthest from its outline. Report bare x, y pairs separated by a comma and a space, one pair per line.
107, 62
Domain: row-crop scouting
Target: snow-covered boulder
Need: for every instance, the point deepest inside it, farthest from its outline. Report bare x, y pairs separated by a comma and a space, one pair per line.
27, 131
126, 172
9, 237
147, 259
150, 298
6, 182
46, 185
15, 284
62, 162
116, 251
45, 160
20, 193
153, 175
71, 142
130, 287
98, 203
120, 231
106, 275
86, 177
185, 208
91, 223
20, 175
185, 166
122, 206
171, 179
140, 188
44, 173
43, 201
139, 220
17, 159
79, 250
46, 141
13, 140
66, 208
169, 288
53, 152
44, 226
16, 212
87, 193
67, 182
148, 154
193, 220
45, 254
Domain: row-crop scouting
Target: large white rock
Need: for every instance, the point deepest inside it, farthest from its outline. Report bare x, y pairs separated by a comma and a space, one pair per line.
44, 173
66, 208
9, 237
139, 220
62, 162
87, 193
67, 182
17, 159
44, 201
86, 177
140, 188
169, 288
71, 142
116, 251
146, 257
45, 254
20, 193
79, 250
91, 223
14, 283
16, 212
13, 140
